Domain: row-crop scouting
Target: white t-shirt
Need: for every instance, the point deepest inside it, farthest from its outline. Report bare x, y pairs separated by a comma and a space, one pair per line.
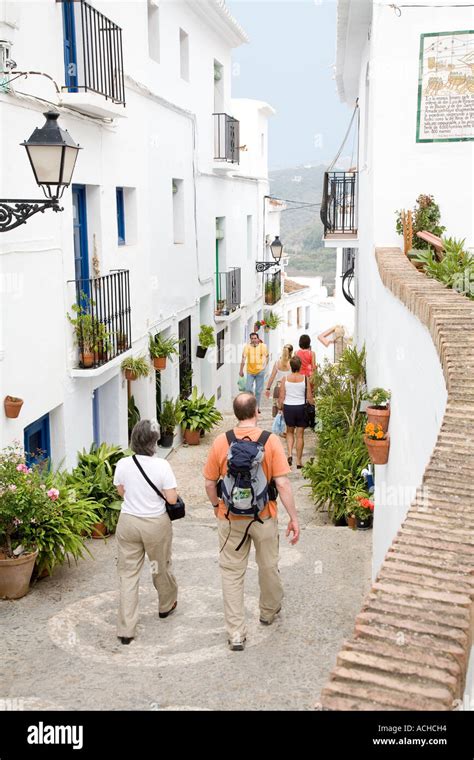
140, 499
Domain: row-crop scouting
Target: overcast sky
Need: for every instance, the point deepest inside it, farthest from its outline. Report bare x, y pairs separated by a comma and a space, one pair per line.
288, 63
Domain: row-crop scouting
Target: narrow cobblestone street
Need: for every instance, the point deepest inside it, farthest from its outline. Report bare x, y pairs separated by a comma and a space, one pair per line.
59, 641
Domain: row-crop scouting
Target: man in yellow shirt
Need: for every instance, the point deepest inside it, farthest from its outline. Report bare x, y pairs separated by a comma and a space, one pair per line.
256, 356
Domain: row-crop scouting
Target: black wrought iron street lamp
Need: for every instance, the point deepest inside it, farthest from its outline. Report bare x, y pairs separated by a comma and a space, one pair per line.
277, 249
52, 153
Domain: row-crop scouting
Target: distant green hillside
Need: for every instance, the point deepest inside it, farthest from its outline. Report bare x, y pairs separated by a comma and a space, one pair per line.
301, 228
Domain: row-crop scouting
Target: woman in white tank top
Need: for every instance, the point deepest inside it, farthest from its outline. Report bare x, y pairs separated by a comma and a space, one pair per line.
281, 369
295, 391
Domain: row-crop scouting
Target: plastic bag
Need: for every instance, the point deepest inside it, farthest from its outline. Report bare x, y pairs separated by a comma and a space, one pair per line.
278, 426
241, 383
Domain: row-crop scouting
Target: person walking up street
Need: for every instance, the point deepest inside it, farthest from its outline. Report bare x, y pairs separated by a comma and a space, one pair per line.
295, 393
280, 369
256, 355
307, 356
237, 531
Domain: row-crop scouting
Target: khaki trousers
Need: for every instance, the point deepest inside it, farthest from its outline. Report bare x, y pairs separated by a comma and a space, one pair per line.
234, 564
137, 536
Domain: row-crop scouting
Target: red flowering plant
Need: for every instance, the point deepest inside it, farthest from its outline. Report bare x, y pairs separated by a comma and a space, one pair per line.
363, 507
358, 504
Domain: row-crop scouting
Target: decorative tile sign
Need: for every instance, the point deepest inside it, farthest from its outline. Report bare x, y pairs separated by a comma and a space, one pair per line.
446, 87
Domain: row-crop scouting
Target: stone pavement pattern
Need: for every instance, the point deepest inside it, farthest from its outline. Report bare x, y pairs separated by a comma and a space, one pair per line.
59, 645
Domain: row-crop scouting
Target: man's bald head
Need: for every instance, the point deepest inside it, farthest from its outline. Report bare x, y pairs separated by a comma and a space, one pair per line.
245, 406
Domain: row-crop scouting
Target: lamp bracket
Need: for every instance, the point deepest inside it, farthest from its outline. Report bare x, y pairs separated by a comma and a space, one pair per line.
13, 212
263, 266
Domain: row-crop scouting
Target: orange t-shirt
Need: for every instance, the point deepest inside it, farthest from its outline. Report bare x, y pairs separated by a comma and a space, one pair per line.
275, 465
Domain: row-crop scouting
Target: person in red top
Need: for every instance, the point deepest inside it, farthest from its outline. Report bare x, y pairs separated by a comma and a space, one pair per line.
307, 356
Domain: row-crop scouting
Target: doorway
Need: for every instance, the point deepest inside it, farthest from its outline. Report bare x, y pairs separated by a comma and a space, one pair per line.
185, 361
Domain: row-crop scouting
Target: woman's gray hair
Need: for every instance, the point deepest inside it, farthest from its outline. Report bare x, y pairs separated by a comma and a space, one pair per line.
144, 438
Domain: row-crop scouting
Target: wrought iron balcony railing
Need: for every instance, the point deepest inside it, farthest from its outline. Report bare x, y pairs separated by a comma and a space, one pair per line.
272, 287
102, 319
226, 138
339, 203
228, 290
93, 54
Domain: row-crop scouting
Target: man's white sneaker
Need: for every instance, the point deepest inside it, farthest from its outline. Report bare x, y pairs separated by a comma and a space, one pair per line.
237, 643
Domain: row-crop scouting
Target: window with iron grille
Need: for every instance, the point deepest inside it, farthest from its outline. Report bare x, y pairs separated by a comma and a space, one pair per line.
220, 348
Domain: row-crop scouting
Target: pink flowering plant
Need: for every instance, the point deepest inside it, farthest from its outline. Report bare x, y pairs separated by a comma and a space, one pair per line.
39, 511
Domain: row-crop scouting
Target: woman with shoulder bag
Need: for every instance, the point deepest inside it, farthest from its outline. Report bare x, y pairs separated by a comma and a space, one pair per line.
144, 526
295, 395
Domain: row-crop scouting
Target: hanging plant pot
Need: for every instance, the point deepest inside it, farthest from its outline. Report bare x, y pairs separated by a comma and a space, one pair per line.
364, 523
378, 450
159, 362
166, 440
130, 375
201, 352
87, 359
99, 531
15, 576
379, 416
192, 437
12, 406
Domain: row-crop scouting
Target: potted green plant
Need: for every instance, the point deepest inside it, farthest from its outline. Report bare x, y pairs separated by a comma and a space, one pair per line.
206, 339
133, 415
377, 442
90, 334
271, 320
122, 341
199, 414
161, 349
426, 218
364, 511
135, 368
378, 409
170, 416
93, 478
12, 406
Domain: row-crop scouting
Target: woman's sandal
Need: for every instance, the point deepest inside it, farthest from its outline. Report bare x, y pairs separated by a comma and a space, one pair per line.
290, 461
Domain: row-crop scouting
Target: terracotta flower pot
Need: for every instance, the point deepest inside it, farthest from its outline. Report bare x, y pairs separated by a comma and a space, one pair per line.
378, 449
130, 375
99, 531
192, 437
352, 522
15, 576
87, 358
12, 408
159, 362
378, 416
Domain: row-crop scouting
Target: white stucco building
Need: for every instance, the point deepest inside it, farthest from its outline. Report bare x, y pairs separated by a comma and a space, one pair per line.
408, 72
165, 190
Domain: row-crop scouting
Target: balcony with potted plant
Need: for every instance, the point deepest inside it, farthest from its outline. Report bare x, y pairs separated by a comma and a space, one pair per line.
228, 294
101, 321
162, 349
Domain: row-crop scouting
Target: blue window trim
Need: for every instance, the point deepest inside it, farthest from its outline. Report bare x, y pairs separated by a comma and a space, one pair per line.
120, 215
40, 425
79, 192
70, 53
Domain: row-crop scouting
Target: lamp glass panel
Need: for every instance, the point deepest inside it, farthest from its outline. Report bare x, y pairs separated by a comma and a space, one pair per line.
46, 160
69, 163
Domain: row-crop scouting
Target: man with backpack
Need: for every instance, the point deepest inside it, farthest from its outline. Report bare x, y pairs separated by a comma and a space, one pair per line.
245, 471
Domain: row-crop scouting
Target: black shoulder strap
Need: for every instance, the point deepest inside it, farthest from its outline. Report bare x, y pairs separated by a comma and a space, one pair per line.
264, 436
231, 436
150, 483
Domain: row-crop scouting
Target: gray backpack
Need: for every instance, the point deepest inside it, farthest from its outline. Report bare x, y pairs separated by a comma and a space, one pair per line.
245, 489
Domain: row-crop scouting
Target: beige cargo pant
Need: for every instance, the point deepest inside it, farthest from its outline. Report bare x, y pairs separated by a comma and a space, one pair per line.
233, 565
137, 536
